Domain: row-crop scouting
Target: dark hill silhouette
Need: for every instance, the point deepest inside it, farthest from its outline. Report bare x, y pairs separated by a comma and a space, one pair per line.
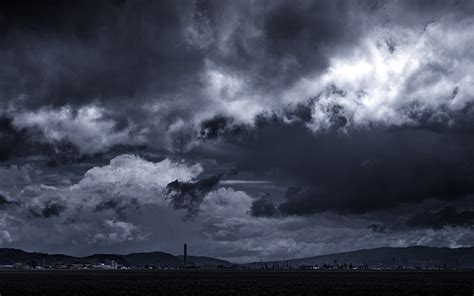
205, 261
10, 256
416, 256
153, 258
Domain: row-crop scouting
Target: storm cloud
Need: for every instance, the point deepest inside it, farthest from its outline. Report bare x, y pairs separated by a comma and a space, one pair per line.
189, 195
360, 171
192, 62
448, 216
344, 124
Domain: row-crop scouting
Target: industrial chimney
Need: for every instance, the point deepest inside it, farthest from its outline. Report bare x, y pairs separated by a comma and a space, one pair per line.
185, 257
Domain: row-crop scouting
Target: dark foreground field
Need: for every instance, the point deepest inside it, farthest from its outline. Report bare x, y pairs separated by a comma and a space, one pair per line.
234, 283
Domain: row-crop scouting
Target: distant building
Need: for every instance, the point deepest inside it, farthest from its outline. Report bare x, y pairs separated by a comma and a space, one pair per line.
185, 255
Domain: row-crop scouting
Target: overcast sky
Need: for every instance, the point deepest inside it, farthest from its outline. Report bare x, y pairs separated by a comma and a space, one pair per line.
247, 129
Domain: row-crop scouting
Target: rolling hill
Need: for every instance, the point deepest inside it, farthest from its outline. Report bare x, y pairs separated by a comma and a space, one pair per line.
416, 256
10, 256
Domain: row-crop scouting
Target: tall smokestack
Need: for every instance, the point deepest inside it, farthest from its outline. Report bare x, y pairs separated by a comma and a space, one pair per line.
185, 257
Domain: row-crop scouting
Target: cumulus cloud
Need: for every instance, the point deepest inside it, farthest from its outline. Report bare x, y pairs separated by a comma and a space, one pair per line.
96, 210
396, 76
87, 128
132, 169
119, 232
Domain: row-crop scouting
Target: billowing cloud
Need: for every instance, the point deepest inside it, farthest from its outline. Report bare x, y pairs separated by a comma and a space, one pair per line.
87, 128
189, 195
133, 170
396, 77
119, 232
232, 61
96, 209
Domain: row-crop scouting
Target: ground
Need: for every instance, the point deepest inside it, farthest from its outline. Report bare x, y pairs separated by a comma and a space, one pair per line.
134, 282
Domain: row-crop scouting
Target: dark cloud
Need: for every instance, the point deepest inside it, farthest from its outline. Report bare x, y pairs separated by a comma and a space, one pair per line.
118, 206
302, 112
127, 54
364, 170
212, 128
124, 52
378, 228
447, 216
5, 202
107, 205
52, 16
219, 125
131, 54
51, 209
83, 52
11, 141
61, 153
303, 30
263, 206
29, 141
189, 195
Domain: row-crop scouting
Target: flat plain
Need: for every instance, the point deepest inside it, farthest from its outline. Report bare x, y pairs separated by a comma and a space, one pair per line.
225, 282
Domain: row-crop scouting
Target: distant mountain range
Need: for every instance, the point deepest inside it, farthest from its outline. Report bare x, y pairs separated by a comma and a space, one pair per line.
418, 256
14, 256
411, 257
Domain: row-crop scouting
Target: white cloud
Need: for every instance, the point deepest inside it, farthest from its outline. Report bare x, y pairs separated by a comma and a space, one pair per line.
226, 202
5, 236
118, 232
427, 70
87, 129
231, 94
133, 170
100, 208
393, 73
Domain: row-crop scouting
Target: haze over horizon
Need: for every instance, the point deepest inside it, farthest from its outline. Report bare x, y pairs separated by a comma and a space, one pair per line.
247, 129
